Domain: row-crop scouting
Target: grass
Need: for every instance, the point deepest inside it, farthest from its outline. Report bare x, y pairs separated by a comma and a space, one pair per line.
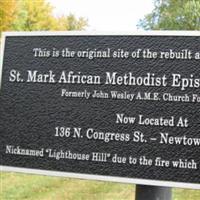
15, 186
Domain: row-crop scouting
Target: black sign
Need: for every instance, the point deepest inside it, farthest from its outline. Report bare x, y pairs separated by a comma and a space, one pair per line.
122, 108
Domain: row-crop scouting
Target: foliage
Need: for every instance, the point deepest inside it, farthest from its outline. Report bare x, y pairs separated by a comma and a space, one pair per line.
31, 15
7, 14
173, 15
70, 22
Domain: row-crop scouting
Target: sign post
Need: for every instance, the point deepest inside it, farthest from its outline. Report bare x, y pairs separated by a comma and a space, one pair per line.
122, 108
144, 192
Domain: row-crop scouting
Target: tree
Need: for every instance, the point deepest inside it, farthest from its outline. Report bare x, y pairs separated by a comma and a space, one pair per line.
173, 15
70, 22
35, 15
8, 9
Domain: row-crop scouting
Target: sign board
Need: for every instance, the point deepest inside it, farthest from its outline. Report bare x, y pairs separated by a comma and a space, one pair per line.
122, 108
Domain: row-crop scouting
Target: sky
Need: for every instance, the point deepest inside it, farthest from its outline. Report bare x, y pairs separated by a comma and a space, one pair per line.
105, 15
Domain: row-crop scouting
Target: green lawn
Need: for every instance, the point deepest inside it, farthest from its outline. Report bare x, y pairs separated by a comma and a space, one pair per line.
16, 186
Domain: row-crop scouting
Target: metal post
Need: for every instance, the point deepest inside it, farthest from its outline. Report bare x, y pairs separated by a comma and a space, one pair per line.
153, 193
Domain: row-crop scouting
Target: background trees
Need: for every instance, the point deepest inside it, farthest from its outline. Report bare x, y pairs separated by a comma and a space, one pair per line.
173, 15
26, 15
7, 14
